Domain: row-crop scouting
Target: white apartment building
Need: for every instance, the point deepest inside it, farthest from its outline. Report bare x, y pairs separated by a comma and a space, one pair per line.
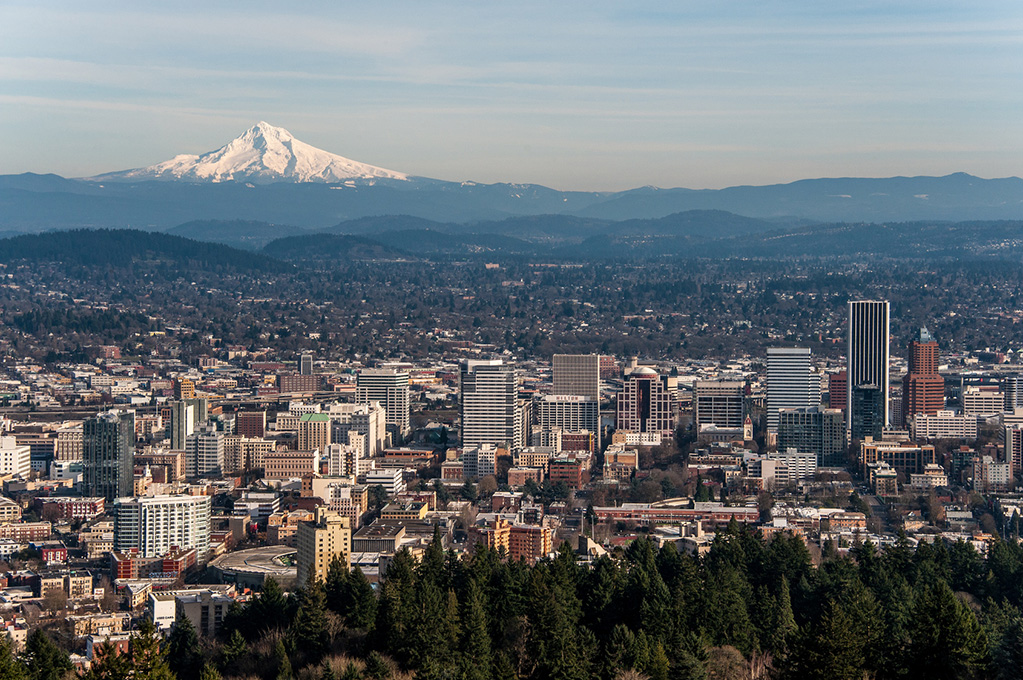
153, 525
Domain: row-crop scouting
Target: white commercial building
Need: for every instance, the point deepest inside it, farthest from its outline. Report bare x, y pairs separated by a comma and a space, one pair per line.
945, 424
490, 411
15, 460
389, 388
369, 420
791, 382
391, 479
479, 461
982, 402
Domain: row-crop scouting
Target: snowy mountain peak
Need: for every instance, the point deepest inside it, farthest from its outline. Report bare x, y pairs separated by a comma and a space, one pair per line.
263, 154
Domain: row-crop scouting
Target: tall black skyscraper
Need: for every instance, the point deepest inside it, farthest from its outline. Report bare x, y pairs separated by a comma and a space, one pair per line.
867, 365
108, 443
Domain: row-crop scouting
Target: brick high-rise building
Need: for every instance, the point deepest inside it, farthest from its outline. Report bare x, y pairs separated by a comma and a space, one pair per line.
838, 390
250, 424
923, 390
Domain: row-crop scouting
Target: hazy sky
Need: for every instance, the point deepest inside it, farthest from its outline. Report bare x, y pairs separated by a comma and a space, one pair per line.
574, 95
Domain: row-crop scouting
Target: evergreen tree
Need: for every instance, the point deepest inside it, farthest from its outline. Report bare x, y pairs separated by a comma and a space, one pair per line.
363, 600
183, 653
1007, 654
335, 586
947, 640
269, 611
477, 660
148, 660
828, 650
376, 667
43, 659
209, 672
10, 667
108, 664
282, 663
309, 631
234, 649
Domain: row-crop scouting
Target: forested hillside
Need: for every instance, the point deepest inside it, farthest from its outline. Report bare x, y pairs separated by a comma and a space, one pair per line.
751, 608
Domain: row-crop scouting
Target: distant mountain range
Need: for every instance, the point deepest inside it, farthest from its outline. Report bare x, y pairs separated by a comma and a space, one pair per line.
267, 176
559, 238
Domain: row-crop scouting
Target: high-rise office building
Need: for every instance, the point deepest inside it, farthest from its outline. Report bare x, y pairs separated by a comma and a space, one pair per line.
181, 424
867, 363
866, 412
923, 389
490, 411
390, 389
791, 382
721, 403
645, 405
108, 449
314, 432
821, 431
155, 524
318, 542
306, 365
577, 374
569, 413
204, 452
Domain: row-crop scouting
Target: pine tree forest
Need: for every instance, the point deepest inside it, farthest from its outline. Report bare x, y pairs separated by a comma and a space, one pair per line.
752, 607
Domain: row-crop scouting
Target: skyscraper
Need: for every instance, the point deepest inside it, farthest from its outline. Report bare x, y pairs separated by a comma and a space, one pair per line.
489, 404
305, 364
577, 374
790, 382
645, 405
867, 363
390, 389
108, 449
923, 389
182, 423
719, 402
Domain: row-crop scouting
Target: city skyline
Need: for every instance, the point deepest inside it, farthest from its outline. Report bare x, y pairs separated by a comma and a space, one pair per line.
608, 98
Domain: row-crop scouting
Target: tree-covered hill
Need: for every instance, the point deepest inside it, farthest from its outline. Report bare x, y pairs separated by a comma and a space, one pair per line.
750, 608
122, 247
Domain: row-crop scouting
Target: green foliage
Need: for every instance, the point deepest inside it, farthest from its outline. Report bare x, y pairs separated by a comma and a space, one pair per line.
309, 631
183, 653
10, 667
749, 604
43, 659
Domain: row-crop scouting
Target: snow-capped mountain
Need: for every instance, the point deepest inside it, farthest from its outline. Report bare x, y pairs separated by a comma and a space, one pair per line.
262, 154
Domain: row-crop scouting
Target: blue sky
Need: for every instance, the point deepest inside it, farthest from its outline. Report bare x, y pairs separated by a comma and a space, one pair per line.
572, 95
